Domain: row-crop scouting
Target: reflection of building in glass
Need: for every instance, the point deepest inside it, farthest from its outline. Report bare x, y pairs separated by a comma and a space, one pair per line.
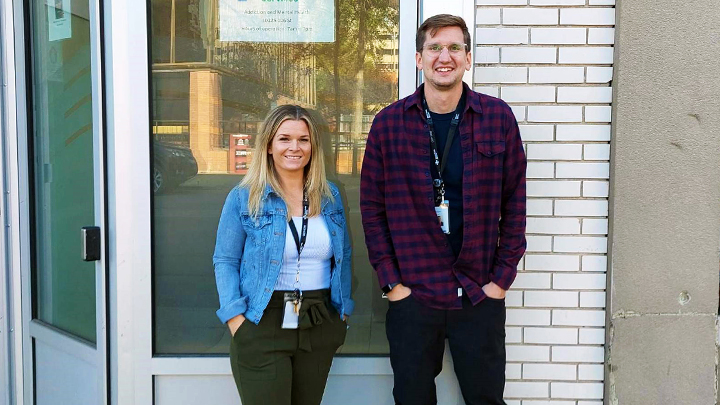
239, 153
350, 148
389, 45
206, 90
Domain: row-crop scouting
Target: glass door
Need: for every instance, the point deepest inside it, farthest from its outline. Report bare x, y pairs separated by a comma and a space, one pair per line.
67, 218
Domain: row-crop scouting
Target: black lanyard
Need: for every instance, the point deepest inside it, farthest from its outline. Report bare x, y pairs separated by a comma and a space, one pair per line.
300, 241
438, 183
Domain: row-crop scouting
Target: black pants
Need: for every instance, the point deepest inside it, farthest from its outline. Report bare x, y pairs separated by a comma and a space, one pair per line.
476, 335
275, 366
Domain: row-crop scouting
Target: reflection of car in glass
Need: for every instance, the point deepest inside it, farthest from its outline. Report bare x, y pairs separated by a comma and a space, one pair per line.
172, 164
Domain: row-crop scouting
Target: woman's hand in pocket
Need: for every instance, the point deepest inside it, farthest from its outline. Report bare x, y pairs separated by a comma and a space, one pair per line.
234, 323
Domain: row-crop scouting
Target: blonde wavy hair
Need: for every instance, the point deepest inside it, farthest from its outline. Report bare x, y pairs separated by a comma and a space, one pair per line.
262, 173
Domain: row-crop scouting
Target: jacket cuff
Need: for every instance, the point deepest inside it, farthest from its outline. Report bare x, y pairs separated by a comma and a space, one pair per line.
348, 307
232, 309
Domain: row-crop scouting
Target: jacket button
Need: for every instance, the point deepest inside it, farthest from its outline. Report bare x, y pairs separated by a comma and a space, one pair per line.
333, 233
339, 261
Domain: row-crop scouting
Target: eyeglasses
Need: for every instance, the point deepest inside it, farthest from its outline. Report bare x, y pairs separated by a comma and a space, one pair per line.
436, 49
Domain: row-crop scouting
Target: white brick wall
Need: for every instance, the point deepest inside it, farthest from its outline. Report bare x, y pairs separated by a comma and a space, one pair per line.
552, 74
571, 36
552, 61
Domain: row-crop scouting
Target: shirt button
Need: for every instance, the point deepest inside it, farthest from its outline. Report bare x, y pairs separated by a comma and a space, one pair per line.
333, 233
429, 198
427, 174
267, 290
273, 262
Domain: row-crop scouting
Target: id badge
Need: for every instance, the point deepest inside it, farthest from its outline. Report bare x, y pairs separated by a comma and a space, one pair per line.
443, 216
290, 316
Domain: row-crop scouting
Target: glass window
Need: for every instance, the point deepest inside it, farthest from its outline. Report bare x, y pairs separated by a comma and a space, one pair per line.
209, 96
62, 165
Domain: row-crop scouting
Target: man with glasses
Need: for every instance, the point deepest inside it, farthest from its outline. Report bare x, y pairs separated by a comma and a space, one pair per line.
443, 208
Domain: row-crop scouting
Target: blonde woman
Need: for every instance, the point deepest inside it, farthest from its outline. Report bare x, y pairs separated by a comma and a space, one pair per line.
282, 266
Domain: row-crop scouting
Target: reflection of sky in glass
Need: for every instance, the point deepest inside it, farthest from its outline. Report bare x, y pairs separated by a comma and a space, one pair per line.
209, 101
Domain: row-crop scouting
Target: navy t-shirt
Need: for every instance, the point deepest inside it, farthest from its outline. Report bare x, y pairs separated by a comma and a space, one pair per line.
452, 176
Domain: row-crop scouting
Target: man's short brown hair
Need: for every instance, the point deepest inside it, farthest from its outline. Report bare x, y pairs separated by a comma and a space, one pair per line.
436, 22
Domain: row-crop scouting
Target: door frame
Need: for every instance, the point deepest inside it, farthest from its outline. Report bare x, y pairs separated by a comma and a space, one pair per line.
127, 109
13, 96
19, 204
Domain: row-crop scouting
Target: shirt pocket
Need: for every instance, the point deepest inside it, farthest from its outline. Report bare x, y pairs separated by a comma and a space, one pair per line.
489, 161
257, 228
490, 149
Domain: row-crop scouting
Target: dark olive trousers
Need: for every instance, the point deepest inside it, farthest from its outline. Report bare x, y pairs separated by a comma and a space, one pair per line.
476, 336
275, 366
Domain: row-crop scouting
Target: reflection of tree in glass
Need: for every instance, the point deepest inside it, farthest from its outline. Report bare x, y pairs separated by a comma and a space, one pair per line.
361, 83
362, 28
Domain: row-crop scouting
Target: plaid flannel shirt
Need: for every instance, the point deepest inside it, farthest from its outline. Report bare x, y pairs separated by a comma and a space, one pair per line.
402, 234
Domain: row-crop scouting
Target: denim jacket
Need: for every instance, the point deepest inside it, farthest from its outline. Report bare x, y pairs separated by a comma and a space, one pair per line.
249, 253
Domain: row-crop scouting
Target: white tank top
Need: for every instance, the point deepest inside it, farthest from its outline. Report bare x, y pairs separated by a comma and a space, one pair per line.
314, 260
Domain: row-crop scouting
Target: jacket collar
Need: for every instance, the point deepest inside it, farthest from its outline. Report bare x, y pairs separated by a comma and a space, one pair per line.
268, 190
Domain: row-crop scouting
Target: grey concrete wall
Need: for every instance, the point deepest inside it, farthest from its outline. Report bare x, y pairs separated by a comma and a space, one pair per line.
664, 204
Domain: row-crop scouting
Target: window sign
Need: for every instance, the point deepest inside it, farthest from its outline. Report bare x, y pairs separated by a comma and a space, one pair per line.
59, 19
277, 20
